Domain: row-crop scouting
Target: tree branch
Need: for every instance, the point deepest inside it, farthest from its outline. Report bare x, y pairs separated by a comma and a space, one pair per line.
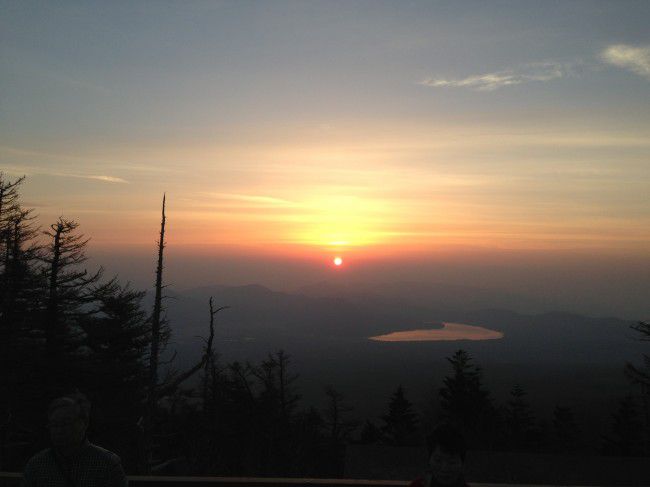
167, 389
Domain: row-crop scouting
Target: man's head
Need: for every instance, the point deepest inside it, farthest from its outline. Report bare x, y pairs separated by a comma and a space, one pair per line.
446, 454
68, 420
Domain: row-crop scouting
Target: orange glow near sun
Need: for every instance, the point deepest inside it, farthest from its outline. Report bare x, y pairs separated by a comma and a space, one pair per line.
338, 261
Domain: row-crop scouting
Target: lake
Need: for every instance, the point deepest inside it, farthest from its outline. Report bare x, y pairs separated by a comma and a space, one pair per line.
442, 333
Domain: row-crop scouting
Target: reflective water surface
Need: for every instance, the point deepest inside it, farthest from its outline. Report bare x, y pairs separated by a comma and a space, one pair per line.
448, 332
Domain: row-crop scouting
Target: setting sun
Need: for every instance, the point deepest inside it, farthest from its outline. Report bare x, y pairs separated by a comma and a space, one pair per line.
338, 261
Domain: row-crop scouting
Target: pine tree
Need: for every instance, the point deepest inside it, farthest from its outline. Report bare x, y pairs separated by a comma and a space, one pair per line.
115, 372
519, 419
339, 426
117, 334
311, 447
400, 423
626, 438
369, 433
19, 275
338, 423
566, 429
69, 292
464, 400
278, 393
9, 207
276, 406
20, 285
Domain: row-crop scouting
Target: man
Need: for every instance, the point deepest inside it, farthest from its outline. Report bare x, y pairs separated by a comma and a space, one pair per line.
447, 450
72, 461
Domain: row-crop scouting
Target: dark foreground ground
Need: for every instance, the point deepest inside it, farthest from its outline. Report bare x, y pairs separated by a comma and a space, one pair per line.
390, 467
382, 462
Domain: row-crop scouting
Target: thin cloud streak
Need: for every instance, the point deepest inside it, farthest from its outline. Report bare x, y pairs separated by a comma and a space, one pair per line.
632, 58
93, 177
544, 71
33, 171
20, 152
107, 179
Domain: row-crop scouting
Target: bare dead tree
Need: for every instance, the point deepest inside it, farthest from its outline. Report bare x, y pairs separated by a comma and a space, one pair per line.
210, 369
154, 354
175, 379
288, 399
339, 425
157, 306
159, 389
241, 375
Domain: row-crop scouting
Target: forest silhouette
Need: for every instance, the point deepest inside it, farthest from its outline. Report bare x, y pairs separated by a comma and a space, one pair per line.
65, 328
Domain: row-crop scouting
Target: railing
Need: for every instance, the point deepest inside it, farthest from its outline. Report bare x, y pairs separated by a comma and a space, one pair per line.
12, 479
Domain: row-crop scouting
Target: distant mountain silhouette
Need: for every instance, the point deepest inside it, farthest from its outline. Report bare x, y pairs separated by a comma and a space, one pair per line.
441, 296
561, 357
275, 319
261, 311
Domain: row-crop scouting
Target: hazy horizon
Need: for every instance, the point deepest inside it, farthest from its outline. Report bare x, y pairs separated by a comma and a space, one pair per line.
498, 145
595, 285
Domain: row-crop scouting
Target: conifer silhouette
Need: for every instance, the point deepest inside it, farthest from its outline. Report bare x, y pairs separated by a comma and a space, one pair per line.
464, 400
400, 422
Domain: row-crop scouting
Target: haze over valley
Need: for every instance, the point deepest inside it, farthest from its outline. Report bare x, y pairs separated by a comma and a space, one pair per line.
327, 336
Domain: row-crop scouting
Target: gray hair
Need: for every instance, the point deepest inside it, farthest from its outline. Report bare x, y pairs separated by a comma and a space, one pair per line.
76, 400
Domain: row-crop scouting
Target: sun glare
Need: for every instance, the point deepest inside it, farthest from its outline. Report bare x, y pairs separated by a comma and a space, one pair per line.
338, 261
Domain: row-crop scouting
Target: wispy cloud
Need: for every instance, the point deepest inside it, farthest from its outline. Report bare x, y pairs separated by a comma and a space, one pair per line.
633, 58
34, 171
106, 179
57, 157
543, 71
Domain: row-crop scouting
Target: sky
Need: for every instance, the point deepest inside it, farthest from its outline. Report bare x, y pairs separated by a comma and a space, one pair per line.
384, 132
